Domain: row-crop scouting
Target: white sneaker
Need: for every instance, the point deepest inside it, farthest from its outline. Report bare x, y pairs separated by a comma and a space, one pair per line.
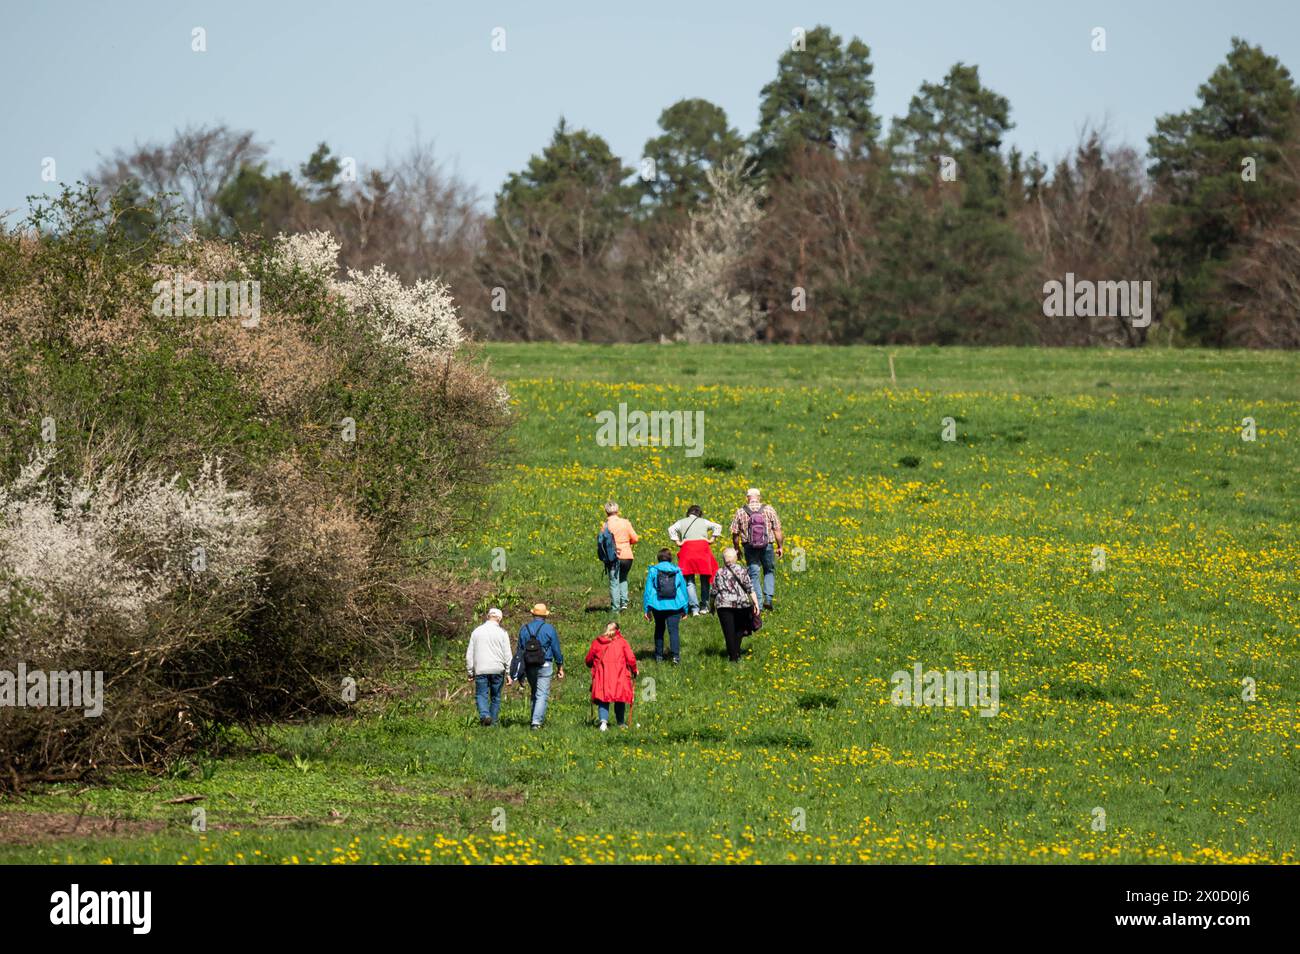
696, 611
604, 727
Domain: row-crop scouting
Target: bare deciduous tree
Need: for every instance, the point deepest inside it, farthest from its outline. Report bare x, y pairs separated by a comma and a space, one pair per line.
1092, 219
186, 174
816, 240
1259, 287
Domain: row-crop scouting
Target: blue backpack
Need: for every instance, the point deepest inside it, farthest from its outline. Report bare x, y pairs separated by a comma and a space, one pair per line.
606, 548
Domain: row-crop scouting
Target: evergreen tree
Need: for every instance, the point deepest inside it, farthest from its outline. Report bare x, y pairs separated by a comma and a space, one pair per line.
822, 94
961, 119
258, 202
951, 267
1200, 162
320, 176
696, 137
551, 238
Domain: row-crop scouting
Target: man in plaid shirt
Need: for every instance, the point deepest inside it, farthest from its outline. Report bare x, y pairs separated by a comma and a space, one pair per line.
757, 527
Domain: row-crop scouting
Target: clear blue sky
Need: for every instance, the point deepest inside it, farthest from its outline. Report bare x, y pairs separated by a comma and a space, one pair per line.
82, 78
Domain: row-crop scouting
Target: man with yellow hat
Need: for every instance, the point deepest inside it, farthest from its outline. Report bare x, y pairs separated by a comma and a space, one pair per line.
539, 645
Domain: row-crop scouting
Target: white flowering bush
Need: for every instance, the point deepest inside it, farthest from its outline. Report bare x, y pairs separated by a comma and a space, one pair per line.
315, 254
205, 533
56, 557
501, 394
92, 552
421, 319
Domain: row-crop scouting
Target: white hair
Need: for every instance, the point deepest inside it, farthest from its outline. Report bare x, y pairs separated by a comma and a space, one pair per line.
494, 613
729, 555
611, 508
752, 492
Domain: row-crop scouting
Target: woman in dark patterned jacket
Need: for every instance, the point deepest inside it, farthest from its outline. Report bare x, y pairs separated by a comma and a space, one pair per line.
735, 601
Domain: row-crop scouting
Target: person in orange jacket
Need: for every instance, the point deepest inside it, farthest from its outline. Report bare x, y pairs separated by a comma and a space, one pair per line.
613, 674
624, 538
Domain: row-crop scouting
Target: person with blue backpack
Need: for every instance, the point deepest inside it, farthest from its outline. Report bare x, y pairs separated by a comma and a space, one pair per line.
614, 545
665, 599
539, 647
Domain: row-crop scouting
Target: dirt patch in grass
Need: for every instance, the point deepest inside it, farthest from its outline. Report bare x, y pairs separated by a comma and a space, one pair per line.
31, 828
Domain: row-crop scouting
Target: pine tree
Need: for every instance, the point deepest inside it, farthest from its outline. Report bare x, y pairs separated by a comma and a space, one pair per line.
1215, 167
951, 268
822, 94
695, 138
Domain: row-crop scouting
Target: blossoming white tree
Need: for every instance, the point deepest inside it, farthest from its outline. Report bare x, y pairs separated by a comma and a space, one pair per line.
695, 284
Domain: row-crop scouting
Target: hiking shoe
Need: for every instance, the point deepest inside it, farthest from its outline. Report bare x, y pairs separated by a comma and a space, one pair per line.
696, 611
677, 660
604, 726
622, 725
767, 604
484, 720
659, 659
534, 726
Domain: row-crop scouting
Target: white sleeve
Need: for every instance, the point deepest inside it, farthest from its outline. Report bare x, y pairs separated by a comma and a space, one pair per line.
674, 534
469, 654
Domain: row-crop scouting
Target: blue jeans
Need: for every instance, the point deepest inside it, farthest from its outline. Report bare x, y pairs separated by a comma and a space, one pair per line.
669, 619
539, 679
618, 584
485, 687
620, 711
701, 601
762, 570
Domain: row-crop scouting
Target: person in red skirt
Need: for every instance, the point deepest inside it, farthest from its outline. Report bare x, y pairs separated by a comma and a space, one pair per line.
694, 537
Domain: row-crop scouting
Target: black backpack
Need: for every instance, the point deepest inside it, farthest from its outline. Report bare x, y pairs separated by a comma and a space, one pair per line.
534, 652
665, 586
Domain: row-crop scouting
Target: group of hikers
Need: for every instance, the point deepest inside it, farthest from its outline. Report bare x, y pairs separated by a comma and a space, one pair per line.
695, 584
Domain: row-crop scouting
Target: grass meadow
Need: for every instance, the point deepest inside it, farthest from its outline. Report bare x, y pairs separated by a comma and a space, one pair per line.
1121, 689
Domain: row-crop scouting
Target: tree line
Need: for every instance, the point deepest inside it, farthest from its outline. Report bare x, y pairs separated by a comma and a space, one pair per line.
826, 225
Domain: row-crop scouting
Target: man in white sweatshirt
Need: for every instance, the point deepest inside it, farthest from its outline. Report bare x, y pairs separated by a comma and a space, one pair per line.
487, 658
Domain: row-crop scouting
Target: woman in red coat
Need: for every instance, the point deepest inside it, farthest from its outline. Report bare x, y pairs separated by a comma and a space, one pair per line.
613, 671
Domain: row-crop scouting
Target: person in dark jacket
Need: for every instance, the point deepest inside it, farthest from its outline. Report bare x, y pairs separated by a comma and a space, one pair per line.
735, 600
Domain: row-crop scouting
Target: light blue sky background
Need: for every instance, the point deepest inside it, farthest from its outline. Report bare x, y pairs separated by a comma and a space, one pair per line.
81, 78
